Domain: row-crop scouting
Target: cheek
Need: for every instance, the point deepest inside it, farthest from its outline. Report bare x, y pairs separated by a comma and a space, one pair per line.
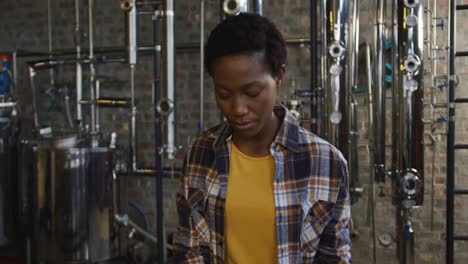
222, 106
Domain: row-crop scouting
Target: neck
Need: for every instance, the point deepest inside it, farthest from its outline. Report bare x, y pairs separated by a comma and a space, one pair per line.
259, 145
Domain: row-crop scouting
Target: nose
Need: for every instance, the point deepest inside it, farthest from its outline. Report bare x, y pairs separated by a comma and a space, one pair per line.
239, 106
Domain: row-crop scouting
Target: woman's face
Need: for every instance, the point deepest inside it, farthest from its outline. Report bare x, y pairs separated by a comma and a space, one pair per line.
245, 93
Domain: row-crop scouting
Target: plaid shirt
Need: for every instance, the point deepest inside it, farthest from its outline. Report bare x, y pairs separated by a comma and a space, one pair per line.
310, 189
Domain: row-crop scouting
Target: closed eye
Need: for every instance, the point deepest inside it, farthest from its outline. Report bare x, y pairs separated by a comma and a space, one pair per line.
253, 94
223, 96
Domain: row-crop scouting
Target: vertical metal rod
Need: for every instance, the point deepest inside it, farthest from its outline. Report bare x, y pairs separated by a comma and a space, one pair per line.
451, 138
157, 73
49, 34
15, 74
28, 251
258, 7
169, 36
132, 34
79, 75
371, 154
134, 149
92, 66
159, 143
313, 65
202, 62
407, 235
379, 102
395, 83
32, 75
98, 88
324, 63
351, 102
432, 53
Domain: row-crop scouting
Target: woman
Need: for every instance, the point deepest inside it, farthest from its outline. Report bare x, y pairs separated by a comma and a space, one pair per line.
259, 188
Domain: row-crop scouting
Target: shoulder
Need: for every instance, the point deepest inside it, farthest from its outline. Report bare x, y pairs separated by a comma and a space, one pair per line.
318, 147
201, 151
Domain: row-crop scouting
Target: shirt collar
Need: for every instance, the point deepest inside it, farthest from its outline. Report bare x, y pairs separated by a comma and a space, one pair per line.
287, 136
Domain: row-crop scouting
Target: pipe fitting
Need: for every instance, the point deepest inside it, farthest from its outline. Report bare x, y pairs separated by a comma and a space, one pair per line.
411, 3
126, 5
412, 63
336, 69
232, 7
165, 106
336, 50
411, 85
411, 20
410, 183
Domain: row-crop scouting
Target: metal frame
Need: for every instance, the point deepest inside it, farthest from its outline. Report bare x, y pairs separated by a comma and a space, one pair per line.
451, 146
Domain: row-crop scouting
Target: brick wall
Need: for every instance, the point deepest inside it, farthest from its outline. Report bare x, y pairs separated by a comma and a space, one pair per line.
24, 27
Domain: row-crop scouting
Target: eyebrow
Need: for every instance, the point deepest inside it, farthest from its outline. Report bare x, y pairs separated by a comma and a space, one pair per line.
244, 86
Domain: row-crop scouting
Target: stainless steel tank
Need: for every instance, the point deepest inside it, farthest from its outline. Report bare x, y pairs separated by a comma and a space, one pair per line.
66, 196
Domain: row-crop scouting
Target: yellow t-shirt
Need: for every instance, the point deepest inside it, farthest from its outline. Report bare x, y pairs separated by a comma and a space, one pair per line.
250, 227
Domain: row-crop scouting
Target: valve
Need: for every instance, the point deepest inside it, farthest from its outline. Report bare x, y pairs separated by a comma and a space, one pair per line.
441, 24
441, 119
442, 86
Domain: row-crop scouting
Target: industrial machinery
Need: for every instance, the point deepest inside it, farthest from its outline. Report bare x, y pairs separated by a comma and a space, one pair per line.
70, 204
334, 105
67, 201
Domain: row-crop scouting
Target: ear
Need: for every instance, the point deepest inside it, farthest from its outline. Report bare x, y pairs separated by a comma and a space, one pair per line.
280, 76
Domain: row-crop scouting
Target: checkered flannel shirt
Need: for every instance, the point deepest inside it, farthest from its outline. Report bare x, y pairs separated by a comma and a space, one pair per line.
311, 197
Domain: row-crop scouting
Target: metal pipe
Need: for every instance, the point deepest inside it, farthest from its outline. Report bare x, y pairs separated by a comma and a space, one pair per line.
407, 235
379, 91
49, 36
46, 64
202, 63
132, 34
409, 174
395, 82
449, 220
157, 71
7, 104
126, 221
79, 74
169, 73
98, 88
109, 102
433, 38
313, 66
13, 88
92, 69
32, 75
352, 78
258, 7
68, 110
371, 195
335, 49
410, 96
134, 149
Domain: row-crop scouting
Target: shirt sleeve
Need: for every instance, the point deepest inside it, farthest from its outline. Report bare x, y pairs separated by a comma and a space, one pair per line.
335, 243
189, 244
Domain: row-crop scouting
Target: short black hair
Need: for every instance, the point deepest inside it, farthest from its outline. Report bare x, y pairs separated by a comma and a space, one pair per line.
246, 33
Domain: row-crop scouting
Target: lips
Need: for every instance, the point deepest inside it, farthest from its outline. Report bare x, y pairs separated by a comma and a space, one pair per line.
243, 125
